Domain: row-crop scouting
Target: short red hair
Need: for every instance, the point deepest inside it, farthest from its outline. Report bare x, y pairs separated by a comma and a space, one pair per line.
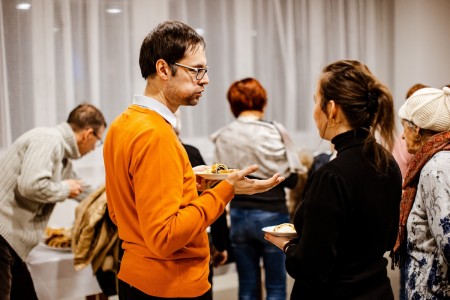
246, 94
415, 88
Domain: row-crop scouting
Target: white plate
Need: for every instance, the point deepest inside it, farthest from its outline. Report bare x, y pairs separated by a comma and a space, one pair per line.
65, 249
269, 229
211, 176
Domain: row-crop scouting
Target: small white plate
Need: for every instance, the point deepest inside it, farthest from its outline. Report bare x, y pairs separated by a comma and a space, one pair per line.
269, 229
64, 249
211, 176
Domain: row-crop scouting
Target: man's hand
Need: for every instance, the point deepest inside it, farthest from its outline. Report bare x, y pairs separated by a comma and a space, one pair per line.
246, 186
219, 258
76, 187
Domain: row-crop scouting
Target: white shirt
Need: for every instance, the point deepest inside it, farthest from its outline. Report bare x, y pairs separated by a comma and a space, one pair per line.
156, 106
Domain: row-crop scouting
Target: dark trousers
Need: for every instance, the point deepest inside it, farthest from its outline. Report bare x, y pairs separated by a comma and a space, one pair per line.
403, 272
15, 278
127, 292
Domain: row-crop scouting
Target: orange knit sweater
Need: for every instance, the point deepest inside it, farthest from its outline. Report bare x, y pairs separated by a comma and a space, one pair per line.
152, 198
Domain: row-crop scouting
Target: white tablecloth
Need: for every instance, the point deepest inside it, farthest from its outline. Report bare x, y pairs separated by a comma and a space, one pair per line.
55, 278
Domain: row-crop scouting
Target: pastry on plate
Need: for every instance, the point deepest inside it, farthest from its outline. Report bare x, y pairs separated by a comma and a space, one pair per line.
219, 168
58, 237
284, 227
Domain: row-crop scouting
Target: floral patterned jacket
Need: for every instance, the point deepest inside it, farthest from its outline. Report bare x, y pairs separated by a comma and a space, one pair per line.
428, 229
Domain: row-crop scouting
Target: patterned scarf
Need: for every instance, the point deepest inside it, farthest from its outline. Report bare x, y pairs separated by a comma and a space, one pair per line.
434, 144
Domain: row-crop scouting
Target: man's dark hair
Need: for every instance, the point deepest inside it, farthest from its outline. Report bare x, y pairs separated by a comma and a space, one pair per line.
85, 116
169, 41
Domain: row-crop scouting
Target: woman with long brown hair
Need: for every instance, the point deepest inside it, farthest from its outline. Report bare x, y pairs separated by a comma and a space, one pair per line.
348, 218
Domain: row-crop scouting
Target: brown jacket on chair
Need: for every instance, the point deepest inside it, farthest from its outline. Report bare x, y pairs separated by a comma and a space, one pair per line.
94, 236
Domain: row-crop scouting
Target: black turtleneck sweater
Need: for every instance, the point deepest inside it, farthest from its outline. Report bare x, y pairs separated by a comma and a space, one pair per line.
346, 222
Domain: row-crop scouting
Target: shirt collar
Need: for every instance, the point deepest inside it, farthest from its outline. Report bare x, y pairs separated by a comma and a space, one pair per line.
249, 118
70, 141
156, 106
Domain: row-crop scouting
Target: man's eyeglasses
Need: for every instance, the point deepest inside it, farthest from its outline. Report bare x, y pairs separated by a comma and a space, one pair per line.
200, 72
99, 142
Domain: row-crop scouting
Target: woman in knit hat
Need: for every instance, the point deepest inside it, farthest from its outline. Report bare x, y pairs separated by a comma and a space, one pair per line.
401, 155
423, 243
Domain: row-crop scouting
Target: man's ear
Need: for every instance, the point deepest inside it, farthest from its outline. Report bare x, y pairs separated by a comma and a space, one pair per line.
83, 134
162, 69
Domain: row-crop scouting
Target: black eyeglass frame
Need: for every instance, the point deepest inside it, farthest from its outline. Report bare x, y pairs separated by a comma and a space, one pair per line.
99, 139
200, 72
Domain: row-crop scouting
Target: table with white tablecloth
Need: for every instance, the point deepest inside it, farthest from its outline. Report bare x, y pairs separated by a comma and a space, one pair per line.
55, 278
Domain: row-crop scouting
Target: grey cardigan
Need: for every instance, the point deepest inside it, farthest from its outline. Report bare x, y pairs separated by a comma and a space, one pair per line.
248, 141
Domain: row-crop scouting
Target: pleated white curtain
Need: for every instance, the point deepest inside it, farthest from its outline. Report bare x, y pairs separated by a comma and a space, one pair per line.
284, 44
63, 52
57, 54
5, 124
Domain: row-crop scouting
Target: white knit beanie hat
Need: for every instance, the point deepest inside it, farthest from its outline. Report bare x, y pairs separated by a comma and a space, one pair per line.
428, 108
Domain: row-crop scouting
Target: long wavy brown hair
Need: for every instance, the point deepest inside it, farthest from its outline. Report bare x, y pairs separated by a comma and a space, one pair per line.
365, 102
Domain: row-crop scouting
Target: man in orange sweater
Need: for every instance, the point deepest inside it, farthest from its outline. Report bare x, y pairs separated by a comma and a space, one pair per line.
150, 185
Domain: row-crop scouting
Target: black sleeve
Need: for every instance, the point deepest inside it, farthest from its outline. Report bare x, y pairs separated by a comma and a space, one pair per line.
319, 221
220, 232
291, 181
194, 155
219, 229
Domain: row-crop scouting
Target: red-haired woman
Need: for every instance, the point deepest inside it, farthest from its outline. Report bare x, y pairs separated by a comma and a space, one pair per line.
251, 139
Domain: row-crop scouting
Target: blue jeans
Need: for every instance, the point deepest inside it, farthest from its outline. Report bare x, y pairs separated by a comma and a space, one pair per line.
249, 246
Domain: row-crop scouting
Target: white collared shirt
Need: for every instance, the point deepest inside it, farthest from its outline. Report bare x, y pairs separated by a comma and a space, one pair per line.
156, 106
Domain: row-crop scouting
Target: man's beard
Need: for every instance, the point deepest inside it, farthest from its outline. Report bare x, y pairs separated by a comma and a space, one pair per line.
192, 101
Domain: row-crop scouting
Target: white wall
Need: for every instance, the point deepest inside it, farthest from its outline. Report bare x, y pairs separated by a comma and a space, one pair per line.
422, 45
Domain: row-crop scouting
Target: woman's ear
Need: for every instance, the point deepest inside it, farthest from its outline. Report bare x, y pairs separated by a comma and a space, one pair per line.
417, 131
331, 109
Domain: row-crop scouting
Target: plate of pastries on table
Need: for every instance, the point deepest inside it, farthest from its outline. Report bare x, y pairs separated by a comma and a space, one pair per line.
57, 238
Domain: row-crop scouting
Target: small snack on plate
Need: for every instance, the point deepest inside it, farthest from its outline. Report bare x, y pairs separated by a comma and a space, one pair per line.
58, 237
219, 168
284, 227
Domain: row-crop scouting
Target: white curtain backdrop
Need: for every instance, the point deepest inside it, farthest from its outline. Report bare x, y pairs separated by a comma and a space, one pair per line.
284, 44
60, 53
